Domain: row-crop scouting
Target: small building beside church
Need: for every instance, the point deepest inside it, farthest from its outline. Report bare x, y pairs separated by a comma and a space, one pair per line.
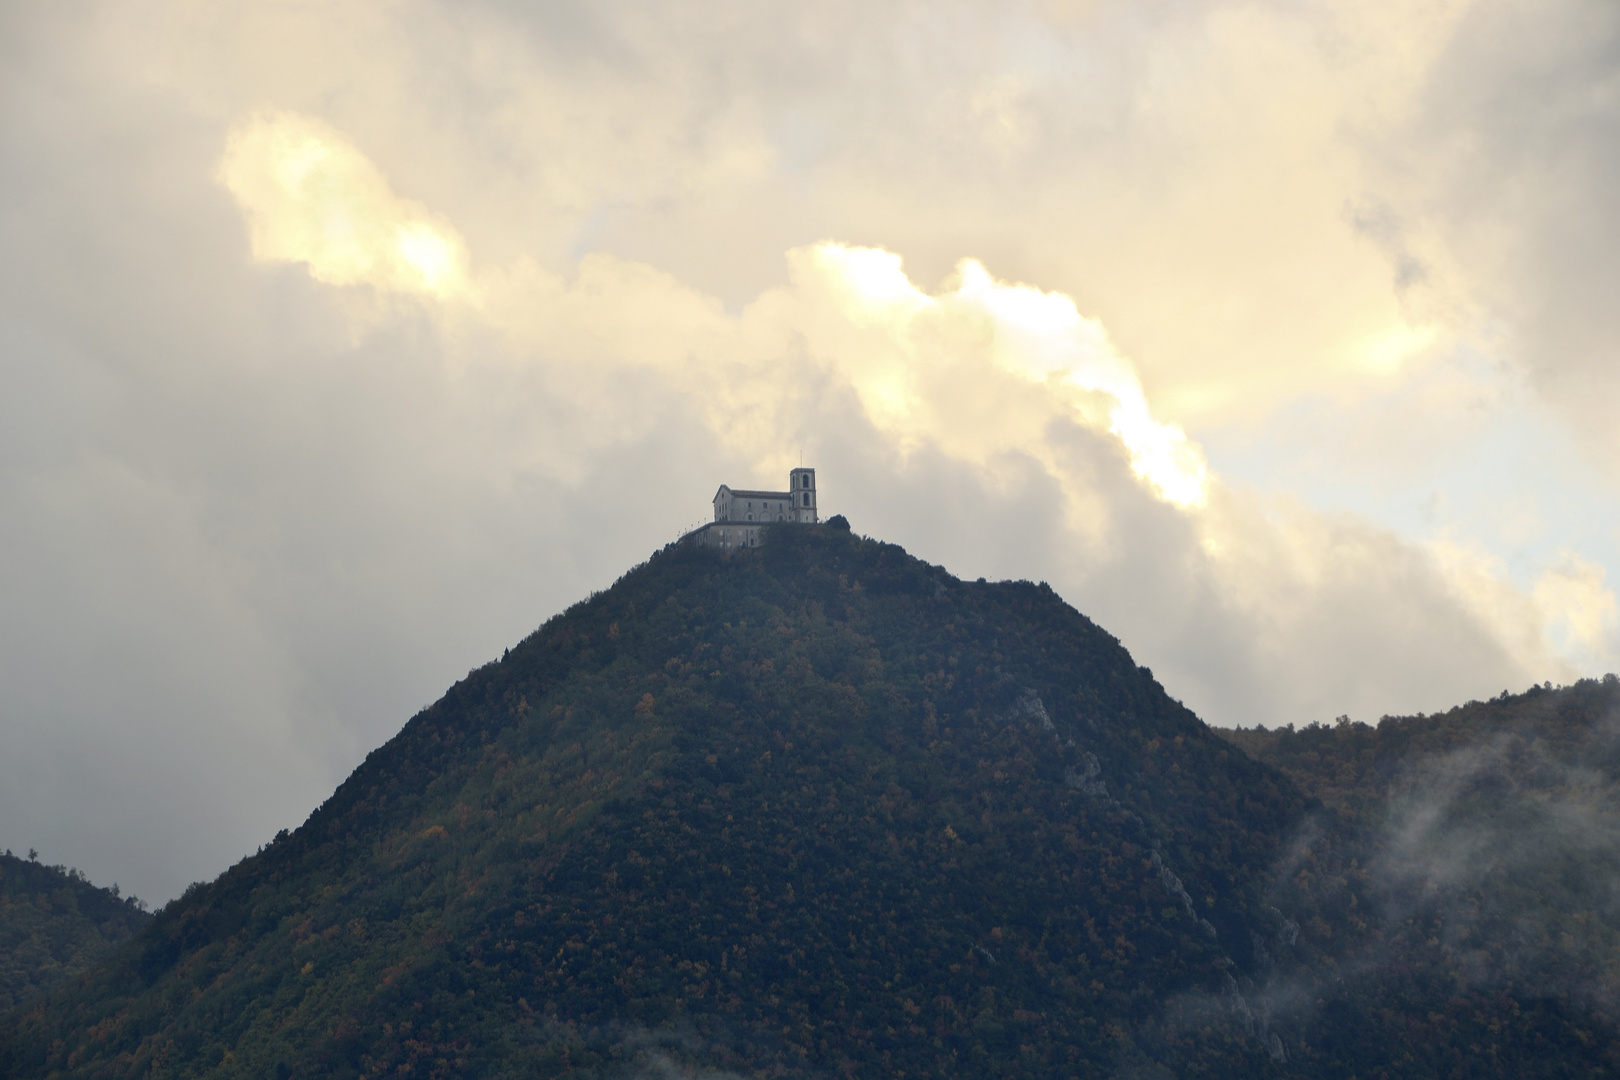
740, 515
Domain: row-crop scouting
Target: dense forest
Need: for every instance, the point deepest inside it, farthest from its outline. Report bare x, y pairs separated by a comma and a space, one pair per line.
1477, 853
821, 808
54, 925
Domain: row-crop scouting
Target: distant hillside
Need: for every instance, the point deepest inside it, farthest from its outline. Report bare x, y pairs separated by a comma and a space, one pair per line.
1482, 847
53, 925
814, 809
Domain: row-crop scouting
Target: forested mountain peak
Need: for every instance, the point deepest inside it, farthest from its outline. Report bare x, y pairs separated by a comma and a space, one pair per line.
816, 808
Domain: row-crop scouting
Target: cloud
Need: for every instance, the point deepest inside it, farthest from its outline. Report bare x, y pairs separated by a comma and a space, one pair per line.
986, 375
1508, 152
1038, 336
1577, 602
310, 197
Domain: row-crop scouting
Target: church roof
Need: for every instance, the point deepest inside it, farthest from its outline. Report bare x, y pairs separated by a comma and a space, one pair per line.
737, 493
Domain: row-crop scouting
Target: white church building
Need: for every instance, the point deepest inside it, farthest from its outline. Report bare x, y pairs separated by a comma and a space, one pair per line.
740, 515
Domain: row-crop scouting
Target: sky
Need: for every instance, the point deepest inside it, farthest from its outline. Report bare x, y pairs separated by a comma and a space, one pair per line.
341, 345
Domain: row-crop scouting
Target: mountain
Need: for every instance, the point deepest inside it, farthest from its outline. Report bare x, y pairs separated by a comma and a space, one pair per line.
813, 809
54, 925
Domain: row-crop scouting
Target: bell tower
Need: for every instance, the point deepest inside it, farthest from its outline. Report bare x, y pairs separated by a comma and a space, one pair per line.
802, 489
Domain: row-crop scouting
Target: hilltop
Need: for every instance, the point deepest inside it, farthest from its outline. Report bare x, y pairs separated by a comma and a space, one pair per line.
815, 808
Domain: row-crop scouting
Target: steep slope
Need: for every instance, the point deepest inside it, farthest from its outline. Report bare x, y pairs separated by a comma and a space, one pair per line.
818, 807
54, 925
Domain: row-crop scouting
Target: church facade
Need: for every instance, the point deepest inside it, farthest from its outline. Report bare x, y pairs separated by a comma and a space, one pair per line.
740, 515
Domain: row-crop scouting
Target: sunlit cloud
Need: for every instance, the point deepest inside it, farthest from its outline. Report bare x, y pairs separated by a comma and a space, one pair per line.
1389, 351
1043, 336
1579, 607
979, 369
1569, 615
1037, 336
310, 197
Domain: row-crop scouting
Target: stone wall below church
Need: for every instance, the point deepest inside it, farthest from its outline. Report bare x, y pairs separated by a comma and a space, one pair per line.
728, 535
